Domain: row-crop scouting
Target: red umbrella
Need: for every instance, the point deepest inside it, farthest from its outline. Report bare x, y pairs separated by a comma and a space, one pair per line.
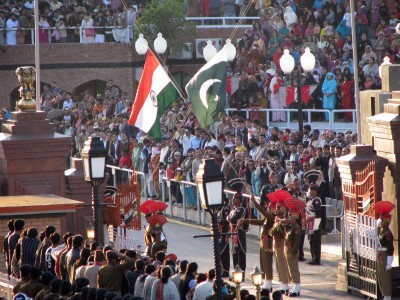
145, 206
157, 206
157, 219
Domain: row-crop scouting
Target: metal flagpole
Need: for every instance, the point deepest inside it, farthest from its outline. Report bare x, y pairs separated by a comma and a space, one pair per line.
355, 66
37, 55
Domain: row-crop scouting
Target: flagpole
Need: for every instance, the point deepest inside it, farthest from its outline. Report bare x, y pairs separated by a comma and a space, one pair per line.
355, 67
37, 55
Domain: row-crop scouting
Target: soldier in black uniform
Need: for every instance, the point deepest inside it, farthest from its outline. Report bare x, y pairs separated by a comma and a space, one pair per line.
270, 187
313, 221
238, 241
385, 249
223, 227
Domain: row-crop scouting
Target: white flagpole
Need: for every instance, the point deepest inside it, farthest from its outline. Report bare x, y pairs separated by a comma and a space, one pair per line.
37, 55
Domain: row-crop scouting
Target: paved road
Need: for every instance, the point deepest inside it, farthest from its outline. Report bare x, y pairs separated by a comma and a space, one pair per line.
318, 282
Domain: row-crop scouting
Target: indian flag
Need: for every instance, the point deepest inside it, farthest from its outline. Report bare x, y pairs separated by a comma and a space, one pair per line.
155, 93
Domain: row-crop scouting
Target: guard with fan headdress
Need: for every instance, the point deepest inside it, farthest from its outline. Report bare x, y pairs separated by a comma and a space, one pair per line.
158, 238
237, 213
385, 251
278, 232
266, 242
314, 213
295, 190
292, 242
317, 177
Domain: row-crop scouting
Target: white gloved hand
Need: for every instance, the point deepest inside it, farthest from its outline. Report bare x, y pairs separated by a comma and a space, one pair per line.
389, 261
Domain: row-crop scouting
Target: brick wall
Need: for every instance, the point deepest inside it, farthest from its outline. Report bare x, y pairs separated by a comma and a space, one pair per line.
38, 221
65, 63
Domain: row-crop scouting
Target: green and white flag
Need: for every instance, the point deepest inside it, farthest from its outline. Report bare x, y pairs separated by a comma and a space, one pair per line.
207, 90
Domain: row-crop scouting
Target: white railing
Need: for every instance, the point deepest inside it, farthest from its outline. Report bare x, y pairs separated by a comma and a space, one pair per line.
201, 22
310, 115
6, 286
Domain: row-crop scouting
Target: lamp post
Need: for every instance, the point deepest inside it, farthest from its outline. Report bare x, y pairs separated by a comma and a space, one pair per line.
287, 64
94, 163
160, 44
256, 277
237, 278
210, 183
90, 232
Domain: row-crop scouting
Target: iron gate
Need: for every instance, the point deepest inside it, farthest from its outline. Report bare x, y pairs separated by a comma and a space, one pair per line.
361, 232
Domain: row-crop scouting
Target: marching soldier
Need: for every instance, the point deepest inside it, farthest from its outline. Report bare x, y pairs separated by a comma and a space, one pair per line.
238, 240
268, 188
296, 192
385, 249
223, 227
278, 233
292, 242
266, 242
313, 221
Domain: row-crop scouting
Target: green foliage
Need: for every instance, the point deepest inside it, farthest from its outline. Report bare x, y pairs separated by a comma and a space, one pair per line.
167, 17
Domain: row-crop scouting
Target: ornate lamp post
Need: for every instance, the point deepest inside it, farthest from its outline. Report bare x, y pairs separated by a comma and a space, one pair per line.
94, 163
287, 64
256, 277
237, 278
210, 181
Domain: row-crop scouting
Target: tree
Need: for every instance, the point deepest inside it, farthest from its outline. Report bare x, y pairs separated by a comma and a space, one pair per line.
167, 17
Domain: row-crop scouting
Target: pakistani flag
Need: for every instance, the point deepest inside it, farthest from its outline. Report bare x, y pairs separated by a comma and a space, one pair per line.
207, 90
155, 93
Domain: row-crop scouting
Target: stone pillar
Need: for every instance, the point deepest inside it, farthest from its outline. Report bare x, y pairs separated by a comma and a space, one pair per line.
358, 159
32, 157
385, 130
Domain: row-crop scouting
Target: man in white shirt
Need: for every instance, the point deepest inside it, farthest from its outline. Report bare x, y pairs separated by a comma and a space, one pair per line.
204, 289
210, 142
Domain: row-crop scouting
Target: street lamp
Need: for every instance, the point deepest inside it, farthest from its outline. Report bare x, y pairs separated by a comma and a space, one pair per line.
90, 232
141, 44
256, 277
210, 180
209, 51
94, 163
287, 64
237, 278
230, 50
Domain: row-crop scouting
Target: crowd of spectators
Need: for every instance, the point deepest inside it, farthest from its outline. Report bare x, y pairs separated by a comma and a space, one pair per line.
247, 150
51, 266
62, 21
325, 28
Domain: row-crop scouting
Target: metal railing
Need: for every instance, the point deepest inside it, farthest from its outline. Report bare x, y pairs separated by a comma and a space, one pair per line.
167, 194
201, 22
309, 117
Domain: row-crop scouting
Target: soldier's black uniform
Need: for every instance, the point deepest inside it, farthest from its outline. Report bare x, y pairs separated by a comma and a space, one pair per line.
314, 236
